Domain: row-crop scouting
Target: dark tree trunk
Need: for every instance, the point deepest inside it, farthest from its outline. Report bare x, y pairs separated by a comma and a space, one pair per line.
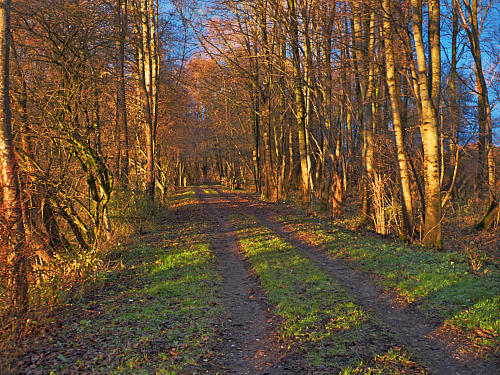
9, 180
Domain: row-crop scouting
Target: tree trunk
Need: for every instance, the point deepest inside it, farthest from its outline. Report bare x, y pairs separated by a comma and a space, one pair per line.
364, 43
266, 98
121, 111
148, 76
429, 126
453, 96
9, 180
395, 95
256, 137
299, 101
485, 144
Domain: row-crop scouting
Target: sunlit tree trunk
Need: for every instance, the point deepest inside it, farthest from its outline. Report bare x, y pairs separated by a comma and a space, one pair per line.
485, 145
121, 110
9, 180
395, 96
299, 100
308, 74
429, 125
453, 94
265, 113
290, 155
364, 42
326, 96
148, 65
280, 142
26, 146
256, 137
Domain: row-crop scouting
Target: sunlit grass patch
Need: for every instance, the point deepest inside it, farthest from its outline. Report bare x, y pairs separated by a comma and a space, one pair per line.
156, 314
298, 288
183, 198
210, 191
482, 322
392, 362
181, 282
177, 305
442, 284
316, 312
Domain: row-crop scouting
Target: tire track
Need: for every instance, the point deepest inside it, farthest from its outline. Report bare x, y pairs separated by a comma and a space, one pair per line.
409, 326
248, 343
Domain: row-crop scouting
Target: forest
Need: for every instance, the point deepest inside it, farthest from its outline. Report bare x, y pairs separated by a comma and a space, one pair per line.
249, 186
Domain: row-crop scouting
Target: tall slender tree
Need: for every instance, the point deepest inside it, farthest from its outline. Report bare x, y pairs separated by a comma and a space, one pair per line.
469, 16
9, 179
395, 95
148, 67
428, 91
121, 104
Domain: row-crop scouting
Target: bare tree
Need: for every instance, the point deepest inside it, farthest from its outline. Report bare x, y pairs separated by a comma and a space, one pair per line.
148, 68
16, 239
395, 95
121, 104
428, 91
469, 19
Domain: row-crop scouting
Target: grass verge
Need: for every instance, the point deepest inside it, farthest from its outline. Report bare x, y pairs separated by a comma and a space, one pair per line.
155, 313
442, 285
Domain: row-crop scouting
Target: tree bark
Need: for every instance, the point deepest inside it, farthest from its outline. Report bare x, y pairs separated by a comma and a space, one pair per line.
395, 95
9, 180
429, 121
299, 101
364, 42
148, 75
485, 144
121, 113
453, 96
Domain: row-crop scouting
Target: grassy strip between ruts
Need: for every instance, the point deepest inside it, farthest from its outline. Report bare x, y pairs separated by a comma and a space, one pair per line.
316, 312
157, 314
442, 284
210, 192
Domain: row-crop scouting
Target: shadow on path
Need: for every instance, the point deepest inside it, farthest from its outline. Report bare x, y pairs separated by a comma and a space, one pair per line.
410, 326
248, 342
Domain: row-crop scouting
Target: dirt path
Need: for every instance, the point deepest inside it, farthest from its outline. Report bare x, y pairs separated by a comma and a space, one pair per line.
410, 326
132, 321
248, 345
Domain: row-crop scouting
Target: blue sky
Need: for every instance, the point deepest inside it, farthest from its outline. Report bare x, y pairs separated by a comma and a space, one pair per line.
490, 47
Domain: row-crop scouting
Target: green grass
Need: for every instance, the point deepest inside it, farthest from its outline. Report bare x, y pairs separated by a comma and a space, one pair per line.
132, 212
315, 311
158, 312
186, 197
394, 362
442, 284
210, 191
